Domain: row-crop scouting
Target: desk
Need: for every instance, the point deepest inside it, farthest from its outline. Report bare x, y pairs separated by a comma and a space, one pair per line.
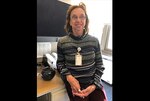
55, 87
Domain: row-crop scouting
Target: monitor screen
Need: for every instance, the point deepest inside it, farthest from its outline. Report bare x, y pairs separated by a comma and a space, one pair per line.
51, 15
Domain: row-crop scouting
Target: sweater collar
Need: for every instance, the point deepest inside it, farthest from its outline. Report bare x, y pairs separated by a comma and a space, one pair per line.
77, 37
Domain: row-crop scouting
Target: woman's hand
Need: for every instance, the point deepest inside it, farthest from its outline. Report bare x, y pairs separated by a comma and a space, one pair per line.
85, 92
74, 83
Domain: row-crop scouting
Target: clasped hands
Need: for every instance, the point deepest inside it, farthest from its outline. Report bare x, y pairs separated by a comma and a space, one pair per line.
75, 86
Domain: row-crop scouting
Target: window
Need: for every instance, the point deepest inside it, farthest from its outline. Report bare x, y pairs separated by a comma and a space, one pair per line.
110, 40
106, 40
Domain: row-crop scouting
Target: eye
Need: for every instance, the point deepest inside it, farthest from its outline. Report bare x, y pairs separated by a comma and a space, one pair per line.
82, 17
74, 17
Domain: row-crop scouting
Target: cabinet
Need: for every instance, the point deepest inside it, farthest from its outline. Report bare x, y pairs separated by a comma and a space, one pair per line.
53, 90
45, 97
59, 95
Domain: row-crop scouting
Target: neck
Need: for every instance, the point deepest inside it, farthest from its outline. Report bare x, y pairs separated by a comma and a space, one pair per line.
78, 37
78, 33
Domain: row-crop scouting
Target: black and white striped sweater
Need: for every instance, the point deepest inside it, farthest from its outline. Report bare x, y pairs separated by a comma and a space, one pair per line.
92, 65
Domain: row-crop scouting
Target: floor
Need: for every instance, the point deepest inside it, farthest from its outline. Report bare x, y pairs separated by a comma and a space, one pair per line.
108, 90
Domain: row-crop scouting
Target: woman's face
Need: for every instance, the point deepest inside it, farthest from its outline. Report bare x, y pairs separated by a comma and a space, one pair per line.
78, 21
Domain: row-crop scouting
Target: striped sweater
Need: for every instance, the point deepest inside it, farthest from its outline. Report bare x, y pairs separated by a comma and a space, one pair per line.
91, 70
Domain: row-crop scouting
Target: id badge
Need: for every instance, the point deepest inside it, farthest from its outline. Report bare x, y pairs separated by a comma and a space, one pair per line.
78, 60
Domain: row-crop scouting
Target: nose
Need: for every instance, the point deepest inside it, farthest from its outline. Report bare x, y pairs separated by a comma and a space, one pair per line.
78, 19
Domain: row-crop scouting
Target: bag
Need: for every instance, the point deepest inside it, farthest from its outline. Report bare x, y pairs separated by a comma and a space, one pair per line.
48, 73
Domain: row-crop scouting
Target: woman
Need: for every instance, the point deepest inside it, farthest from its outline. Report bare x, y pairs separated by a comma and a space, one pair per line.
79, 58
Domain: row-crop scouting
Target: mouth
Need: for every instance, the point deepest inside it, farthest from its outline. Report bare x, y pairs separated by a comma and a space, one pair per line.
78, 26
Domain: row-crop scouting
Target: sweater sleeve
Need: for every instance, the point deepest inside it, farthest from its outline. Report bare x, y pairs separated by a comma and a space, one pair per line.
61, 60
99, 66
